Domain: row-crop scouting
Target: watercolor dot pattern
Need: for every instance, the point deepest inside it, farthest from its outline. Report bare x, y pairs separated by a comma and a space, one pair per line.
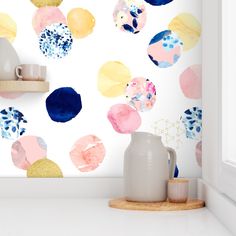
130, 16
27, 150
87, 153
81, 22
43, 3
158, 2
141, 94
165, 49
46, 16
192, 120
44, 168
188, 28
12, 123
55, 41
8, 27
191, 82
113, 78
57, 31
124, 119
63, 104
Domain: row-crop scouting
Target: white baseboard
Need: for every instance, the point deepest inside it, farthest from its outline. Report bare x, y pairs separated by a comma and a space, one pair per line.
68, 188
60, 187
219, 204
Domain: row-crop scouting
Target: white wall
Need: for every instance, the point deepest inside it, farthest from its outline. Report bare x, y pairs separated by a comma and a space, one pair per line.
211, 85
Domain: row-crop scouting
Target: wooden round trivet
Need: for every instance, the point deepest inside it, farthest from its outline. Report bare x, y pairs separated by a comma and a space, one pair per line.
121, 203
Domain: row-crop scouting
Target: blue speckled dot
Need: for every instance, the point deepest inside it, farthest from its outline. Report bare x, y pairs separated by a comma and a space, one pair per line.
12, 123
55, 41
192, 120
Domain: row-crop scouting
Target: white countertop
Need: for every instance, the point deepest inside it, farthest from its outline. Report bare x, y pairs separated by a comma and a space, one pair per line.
93, 217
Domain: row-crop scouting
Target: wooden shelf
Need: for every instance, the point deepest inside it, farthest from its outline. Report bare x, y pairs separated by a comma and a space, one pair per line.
121, 203
24, 86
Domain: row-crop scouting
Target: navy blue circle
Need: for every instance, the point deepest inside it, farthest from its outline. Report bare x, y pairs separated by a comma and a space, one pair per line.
63, 104
176, 174
158, 2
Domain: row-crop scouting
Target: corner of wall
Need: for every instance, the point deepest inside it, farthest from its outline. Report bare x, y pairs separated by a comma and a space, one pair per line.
220, 205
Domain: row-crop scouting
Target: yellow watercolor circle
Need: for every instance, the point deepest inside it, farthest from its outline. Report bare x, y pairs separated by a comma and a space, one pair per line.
81, 22
8, 27
113, 78
44, 3
188, 28
44, 168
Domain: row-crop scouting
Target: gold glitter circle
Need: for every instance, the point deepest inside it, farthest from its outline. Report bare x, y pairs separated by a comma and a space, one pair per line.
44, 168
44, 3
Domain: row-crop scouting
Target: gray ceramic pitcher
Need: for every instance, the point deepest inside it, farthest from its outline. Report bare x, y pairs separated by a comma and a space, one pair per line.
8, 60
146, 168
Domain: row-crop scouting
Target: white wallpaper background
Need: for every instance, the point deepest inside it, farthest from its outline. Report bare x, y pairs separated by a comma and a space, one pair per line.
79, 70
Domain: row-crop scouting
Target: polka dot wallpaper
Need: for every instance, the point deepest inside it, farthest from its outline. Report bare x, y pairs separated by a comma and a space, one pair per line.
114, 67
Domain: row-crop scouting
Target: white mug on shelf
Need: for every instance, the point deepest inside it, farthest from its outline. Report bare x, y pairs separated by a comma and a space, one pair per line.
31, 72
43, 73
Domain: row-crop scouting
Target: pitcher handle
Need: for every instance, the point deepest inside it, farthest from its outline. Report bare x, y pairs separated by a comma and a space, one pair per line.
172, 155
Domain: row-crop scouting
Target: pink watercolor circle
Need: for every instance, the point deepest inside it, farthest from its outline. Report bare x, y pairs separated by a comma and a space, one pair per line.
87, 153
46, 16
191, 82
141, 94
198, 153
27, 150
124, 119
10, 95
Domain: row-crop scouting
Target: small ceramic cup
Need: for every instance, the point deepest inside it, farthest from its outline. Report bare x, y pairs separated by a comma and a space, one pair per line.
31, 72
43, 73
178, 190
